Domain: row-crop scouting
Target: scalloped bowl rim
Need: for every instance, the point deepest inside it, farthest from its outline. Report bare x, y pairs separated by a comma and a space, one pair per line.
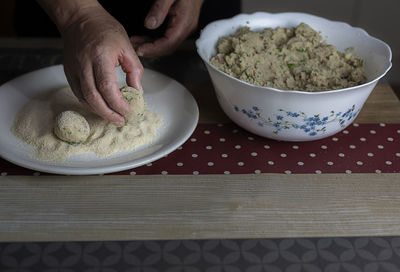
246, 17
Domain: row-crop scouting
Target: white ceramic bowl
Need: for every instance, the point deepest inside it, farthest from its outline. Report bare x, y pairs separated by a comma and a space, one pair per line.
294, 115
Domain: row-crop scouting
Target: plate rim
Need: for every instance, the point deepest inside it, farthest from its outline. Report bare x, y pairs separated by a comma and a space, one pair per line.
169, 147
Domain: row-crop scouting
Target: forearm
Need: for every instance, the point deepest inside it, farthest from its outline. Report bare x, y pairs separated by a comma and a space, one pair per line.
65, 12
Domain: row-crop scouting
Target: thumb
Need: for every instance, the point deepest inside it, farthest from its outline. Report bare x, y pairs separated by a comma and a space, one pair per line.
158, 13
133, 68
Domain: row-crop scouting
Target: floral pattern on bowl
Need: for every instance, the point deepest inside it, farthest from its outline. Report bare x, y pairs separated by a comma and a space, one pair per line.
311, 125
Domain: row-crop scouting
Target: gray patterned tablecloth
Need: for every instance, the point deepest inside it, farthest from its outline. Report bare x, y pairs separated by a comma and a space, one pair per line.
292, 255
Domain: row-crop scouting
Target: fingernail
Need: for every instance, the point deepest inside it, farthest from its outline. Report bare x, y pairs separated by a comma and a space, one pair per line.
139, 52
119, 124
151, 22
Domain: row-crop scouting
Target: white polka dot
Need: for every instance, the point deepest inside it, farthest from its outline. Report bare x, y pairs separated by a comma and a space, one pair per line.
220, 125
210, 163
238, 147
335, 139
382, 124
179, 164
356, 125
300, 163
324, 147
250, 138
195, 172
329, 163
341, 155
283, 155
288, 172
36, 174
257, 171
372, 131
380, 146
235, 131
398, 131
193, 139
318, 171
180, 148
359, 163
4, 174
206, 132
270, 162
224, 155
397, 154
370, 154
313, 155
378, 171
240, 163
194, 155
132, 173
149, 164
227, 172
267, 147
164, 172
390, 139
352, 146
254, 154
222, 139
388, 162
208, 147
348, 171
345, 132
295, 147
362, 139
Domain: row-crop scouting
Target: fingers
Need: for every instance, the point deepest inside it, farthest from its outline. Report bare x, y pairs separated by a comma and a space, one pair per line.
133, 69
106, 84
138, 41
95, 100
165, 45
183, 19
158, 13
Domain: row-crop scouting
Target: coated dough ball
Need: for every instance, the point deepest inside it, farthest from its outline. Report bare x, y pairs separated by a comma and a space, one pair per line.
71, 127
135, 100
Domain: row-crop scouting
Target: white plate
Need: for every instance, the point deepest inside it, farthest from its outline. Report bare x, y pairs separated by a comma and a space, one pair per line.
163, 95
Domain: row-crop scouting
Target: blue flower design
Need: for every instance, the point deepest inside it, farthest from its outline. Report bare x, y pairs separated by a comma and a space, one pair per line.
311, 125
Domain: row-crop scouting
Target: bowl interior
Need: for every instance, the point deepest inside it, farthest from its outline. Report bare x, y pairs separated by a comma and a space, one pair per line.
376, 54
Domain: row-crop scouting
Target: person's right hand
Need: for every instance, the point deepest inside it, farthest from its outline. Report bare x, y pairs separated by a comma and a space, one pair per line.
94, 44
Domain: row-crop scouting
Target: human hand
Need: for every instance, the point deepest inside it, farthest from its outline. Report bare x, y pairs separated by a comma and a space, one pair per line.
94, 44
183, 20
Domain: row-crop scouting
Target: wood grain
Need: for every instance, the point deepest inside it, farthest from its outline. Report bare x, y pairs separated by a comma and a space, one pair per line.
61, 208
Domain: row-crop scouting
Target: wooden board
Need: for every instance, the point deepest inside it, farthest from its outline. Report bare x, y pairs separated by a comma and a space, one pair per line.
206, 206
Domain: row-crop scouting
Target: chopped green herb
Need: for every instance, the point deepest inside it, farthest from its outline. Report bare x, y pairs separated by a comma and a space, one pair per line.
290, 65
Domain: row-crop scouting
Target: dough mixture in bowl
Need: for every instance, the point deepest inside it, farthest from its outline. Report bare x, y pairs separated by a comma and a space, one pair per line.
34, 124
287, 59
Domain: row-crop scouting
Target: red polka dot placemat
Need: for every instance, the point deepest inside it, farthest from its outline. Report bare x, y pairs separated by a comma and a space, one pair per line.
228, 149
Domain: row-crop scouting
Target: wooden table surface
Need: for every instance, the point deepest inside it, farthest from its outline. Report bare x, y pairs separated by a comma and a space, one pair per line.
96, 208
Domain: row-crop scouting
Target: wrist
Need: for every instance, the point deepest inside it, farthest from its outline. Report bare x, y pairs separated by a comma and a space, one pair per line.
64, 13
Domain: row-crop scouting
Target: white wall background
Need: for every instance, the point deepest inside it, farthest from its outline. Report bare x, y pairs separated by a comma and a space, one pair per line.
380, 18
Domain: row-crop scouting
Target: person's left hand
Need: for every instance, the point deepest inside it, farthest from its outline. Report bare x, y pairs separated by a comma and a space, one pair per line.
183, 20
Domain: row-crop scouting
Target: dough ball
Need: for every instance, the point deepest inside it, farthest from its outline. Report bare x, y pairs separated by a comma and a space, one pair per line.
135, 100
71, 127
